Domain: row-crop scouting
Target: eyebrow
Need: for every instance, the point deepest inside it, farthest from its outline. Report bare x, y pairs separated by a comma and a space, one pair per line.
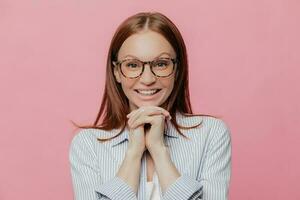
154, 58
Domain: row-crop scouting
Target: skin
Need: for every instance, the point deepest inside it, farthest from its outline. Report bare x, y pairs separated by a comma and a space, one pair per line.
146, 46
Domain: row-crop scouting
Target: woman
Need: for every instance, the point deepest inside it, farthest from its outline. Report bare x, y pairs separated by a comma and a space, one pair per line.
149, 145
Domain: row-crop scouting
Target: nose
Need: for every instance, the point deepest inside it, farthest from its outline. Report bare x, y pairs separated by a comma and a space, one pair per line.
147, 76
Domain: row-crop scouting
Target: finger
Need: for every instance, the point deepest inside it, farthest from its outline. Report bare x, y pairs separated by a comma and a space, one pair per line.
132, 113
141, 121
135, 115
144, 119
163, 111
143, 111
147, 110
166, 113
154, 110
135, 111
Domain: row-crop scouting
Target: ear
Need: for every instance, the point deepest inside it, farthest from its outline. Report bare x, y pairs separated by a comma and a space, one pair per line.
116, 72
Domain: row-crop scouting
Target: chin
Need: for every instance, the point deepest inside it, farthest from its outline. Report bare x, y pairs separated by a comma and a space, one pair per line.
148, 104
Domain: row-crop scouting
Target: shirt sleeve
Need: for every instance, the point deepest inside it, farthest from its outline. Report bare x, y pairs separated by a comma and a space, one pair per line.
213, 182
86, 179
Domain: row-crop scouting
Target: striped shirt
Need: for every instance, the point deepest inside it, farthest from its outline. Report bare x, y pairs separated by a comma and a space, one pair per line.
204, 162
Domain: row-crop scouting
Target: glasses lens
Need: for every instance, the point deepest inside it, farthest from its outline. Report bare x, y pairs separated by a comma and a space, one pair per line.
132, 68
163, 67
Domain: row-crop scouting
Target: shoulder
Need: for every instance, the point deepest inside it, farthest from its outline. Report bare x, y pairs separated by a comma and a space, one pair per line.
208, 121
210, 126
218, 133
216, 124
87, 138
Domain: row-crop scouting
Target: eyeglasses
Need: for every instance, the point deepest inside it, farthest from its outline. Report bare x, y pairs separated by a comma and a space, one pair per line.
160, 67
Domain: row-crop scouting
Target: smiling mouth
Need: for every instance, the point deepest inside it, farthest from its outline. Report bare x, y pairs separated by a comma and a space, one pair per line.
147, 92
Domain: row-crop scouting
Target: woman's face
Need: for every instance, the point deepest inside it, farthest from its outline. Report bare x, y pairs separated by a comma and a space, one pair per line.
145, 46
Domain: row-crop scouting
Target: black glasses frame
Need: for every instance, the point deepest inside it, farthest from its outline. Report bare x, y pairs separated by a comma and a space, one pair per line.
119, 63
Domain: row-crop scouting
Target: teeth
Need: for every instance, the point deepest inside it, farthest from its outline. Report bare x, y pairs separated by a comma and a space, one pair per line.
147, 92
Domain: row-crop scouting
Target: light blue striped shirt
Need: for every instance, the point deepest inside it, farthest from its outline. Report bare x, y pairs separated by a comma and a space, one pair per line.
204, 162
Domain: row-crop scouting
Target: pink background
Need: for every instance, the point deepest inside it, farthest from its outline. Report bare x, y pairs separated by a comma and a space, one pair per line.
243, 59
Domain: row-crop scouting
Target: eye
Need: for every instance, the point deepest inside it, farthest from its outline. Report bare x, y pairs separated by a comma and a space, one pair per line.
131, 65
161, 63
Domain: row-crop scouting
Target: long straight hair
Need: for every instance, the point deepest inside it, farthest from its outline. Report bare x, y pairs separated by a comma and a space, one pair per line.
115, 106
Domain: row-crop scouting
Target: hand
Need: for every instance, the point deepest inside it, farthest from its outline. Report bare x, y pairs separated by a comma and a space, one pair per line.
155, 116
136, 143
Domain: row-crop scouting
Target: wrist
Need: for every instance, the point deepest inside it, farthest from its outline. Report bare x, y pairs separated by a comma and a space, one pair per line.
158, 152
155, 146
134, 155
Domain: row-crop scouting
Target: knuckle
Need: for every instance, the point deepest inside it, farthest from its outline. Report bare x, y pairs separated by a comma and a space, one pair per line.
160, 117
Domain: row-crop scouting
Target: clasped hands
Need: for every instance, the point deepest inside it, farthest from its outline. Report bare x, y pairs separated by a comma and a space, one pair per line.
140, 138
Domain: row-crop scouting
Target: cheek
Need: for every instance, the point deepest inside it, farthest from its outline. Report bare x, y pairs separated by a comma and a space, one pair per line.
168, 84
127, 84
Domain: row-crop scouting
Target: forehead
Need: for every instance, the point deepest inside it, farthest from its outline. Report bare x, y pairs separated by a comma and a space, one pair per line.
145, 46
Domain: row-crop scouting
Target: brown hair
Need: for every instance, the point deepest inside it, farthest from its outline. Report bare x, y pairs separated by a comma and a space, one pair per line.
115, 105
